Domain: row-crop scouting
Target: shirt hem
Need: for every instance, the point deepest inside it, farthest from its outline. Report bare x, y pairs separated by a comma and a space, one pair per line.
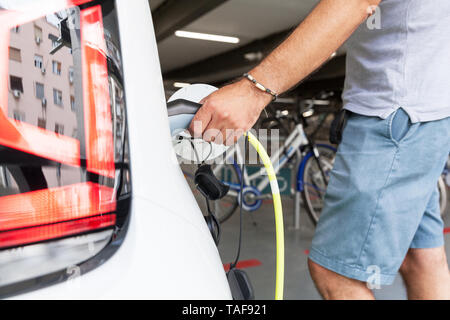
384, 113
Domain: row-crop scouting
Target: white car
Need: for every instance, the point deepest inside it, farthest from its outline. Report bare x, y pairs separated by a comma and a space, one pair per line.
93, 204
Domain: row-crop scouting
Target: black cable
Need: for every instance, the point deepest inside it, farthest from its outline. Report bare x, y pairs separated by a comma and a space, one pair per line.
233, 265
213, 219
210, 151
196, 154
195, 150
211, 215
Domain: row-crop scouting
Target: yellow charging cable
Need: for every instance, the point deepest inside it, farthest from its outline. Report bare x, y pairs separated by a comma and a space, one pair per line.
279, 225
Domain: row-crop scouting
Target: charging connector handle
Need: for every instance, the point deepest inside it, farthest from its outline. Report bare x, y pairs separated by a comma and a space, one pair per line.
181, 112
279, 224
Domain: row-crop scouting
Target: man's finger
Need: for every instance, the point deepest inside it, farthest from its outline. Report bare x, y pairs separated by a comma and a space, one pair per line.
212, 131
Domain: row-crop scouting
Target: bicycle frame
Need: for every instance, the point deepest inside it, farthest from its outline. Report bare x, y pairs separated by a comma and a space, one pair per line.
296, 139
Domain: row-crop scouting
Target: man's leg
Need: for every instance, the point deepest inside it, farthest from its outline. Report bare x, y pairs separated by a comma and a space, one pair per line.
333, 286
369, 221
426, 274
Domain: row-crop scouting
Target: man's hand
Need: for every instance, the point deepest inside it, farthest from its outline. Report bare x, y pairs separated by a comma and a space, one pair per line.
229, 112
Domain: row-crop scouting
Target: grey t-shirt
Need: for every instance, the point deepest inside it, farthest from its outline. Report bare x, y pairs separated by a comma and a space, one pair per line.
405, 63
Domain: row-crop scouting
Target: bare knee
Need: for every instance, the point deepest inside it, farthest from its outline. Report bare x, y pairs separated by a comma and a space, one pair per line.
325, 280
321, 277
422, 261
335, 286
426, 275
316, 271
319, 273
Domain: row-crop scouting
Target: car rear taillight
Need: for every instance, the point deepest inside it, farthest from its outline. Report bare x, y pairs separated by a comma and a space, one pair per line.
54, 213
63, 195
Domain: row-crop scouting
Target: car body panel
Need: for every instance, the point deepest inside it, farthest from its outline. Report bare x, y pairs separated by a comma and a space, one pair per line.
168, 252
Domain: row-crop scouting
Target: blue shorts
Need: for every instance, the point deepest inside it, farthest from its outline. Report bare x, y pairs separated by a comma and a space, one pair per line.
382, 197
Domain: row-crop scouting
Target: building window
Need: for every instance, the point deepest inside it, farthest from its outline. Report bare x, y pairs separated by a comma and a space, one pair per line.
39, 62
56, 67
57, 97
16, 83
38, 34
14, 54
54, 40
72, 103
40, 91
59, 128
16, 29
42, 123
71, 74
19, 115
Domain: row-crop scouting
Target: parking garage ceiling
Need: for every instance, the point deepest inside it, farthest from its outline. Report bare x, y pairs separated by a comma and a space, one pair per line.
260, 25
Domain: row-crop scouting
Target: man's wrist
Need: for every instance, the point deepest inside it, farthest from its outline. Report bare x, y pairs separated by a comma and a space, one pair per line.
260, 86
264, 98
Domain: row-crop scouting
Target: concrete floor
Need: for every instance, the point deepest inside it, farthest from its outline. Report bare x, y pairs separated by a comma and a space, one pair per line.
259, 243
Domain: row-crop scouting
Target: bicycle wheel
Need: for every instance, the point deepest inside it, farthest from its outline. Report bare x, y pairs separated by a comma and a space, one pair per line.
442, 195
314, 183
225, 207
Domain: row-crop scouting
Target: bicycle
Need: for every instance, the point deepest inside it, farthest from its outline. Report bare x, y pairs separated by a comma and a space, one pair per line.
312, 173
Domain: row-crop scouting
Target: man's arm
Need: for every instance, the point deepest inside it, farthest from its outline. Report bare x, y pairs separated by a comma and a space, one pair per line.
238, 106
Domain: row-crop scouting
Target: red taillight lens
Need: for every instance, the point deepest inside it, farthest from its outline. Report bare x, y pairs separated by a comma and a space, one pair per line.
49, 210
99, 142
36, 234
39, 142
45, 213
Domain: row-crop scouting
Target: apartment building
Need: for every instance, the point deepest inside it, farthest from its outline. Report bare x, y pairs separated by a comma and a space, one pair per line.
41, 90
